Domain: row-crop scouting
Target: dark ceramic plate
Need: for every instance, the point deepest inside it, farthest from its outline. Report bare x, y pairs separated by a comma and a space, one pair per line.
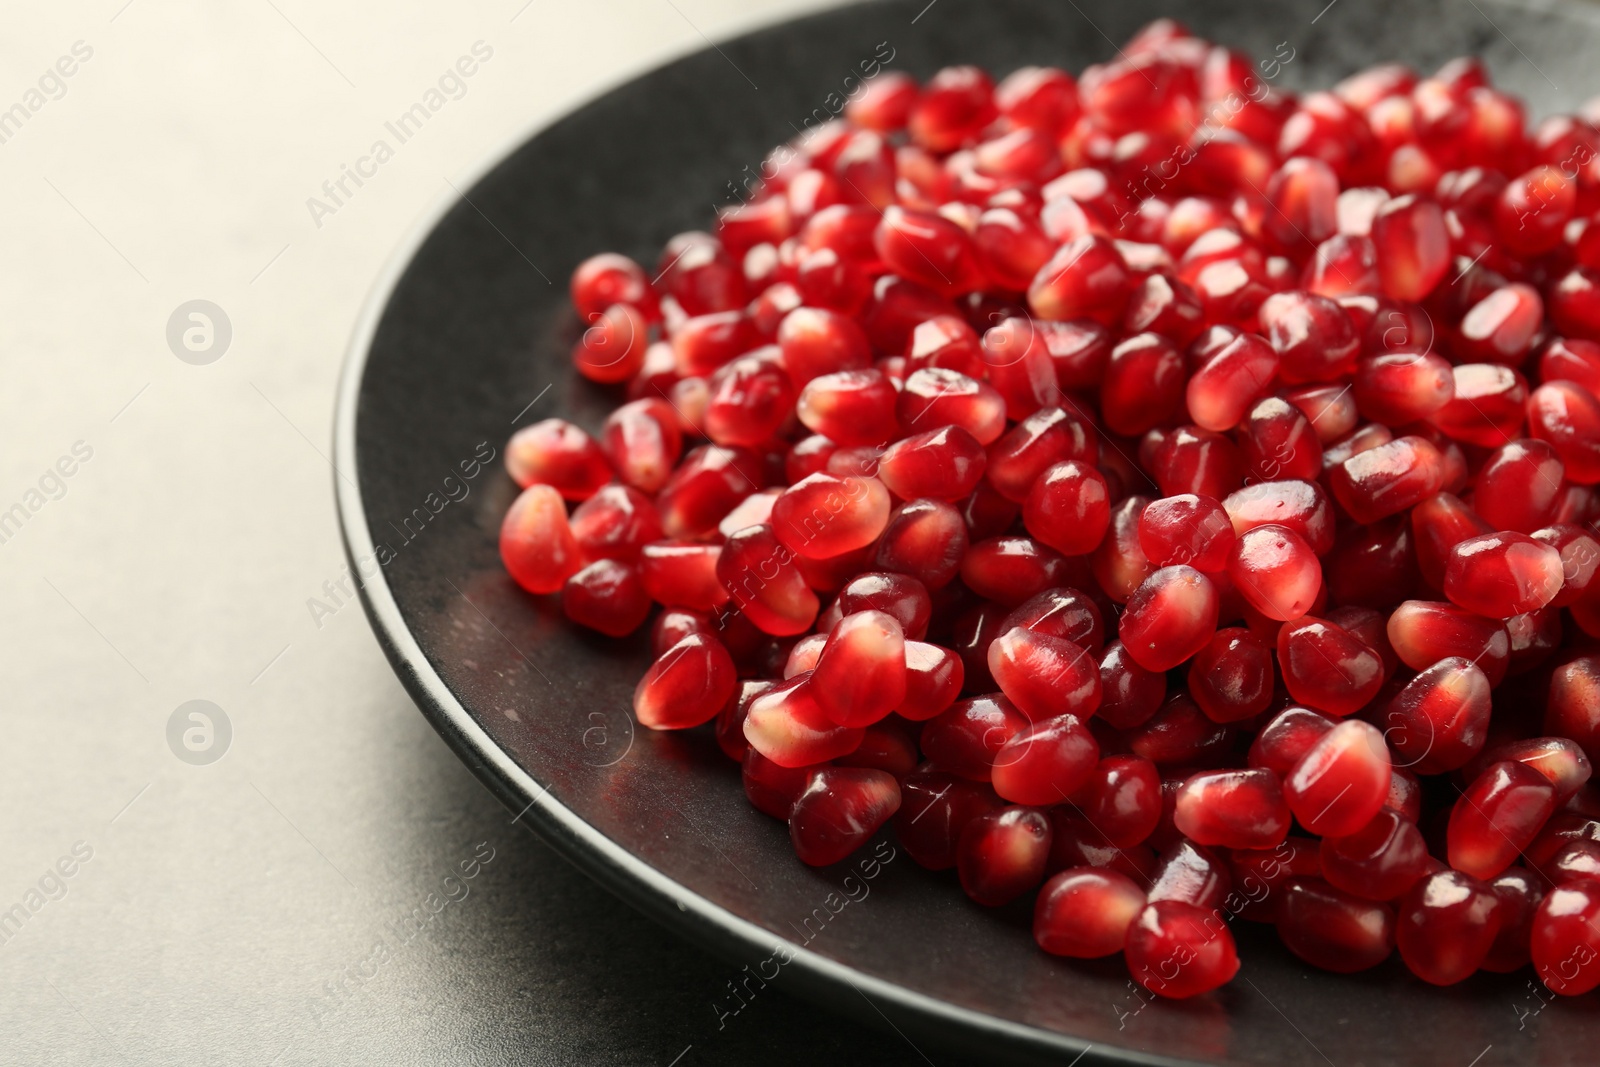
467, 337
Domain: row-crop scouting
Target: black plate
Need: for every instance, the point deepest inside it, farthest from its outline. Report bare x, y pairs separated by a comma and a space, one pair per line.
467, 336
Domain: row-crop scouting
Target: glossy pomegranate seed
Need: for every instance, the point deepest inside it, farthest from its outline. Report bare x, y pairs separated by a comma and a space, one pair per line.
606, 596
822, 516
929, 250
1502, 574
1143, 385
1568, 416
1130, 694
840, 809
1228, 384
1002, 854
1068, 508
1413, 247
1233, 809
1180, 734
1440, 719
759, 573
536, 543
1333, 929
557, 453
1565, 946
1497, 816
1231, 677
1044, 675
1386, 480
935, 807
1402, 387
710, 482
1378, 861
925, 539
1279, 443
964, 739
935, 397
607, 279
1326, 667
1580, 560
1519, 892
751, 398
1519, 487
1446, 924
1342, 780
1286, 737
943, 464
933, 680
1571, 360
688, 685
953, 107
1087, 278
1085, 912
1044, 438
788, 727
1275, 571
1009, 570
1438, 524
1121, 799
1312, 335
816, 341
1423, 632
1170, 617
1300, 506
1045, 763
861, 674
1486, 407
1178, 950
615, 523
851, 407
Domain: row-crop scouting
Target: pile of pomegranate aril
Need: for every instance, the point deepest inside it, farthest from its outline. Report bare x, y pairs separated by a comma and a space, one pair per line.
1150, 492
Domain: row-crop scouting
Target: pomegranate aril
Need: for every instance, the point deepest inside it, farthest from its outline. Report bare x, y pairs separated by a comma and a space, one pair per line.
1170, 617
1580, 560
1502, 574
616, 523
1326, 667
1424, 632
1188, 529
697, 272
1045, 763
536, 543
1286, 737
839, 810
1388, 479
1314, 338
606, 596
1519, 892
1275, 571
1446, 924
942, 464
1341, 782
1497, 816
1440, 719
1009, 570
1143, 385
682, 574
925, 539
609, 278
1300, 506
822, 516
1180, 734
1002, 855
688, 685
760, 575
1568, 416
557, 453
1378, 861
1279, 442
1068, 508
770, 788
789, 727
1085, 912
1231, 677
816, 341
1042, 439
1043, 675
1565, 946
1233, 809
1332, 929
1179, 950
1087, 278
710, 482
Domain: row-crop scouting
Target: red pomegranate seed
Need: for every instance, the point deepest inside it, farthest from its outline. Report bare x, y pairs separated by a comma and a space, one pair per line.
751, 398
935, 807
928, 250
1233, 809
855, 407
1342, 780
1497, 816
1571, 360
1446, 926
1009, 570
1170, 617
1385, 480
616, 523
822, 516
1063, 613
688, 685
816, 341
1179, 950
1187, 529
925, 539
1519, 892
1424, 632
1085, 912
1045, 763
1279, 442
1565, 947
1229, 383
1312, 335
1402, 387
1121, 799
1519, 486
1043, 675
710, 482
1326, 667
1378, 861
1413, 246
557, 453
964, 739
1180, 734
1069, 508
1440, 719
1087, 278
1143, 385
1487, 406
1192, 460
1231, 677
861, 674
1300, 506
1130, 695
1002, 854
607, 279
1119, 563
758, 572
643, 442
536, 543
606, 596
1580, 559
839, 810
788, 727
935, 397
1502, 574
1286, 737
1332, 929
1568, 416
943, 464
953, 107
1275, 571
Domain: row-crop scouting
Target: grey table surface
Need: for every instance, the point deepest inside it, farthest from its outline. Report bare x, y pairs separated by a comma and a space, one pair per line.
334, 887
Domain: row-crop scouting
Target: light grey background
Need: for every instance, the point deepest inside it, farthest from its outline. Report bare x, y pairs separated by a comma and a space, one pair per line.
224, 900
